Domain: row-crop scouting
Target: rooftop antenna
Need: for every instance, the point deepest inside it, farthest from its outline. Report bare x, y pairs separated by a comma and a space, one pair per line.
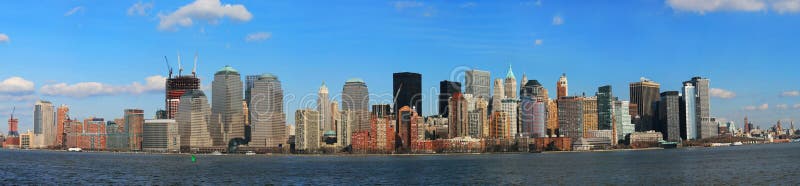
168, 67
13, 108
194, 69
180, 67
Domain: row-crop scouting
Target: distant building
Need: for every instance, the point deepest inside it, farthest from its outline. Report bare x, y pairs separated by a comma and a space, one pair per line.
44, 124
535, 90
605, 108
176, 87
61, 119
533, 117
511, 107
669, 116
570, 117
160, 135
324, 107
307, 133
134, 121
510, 84
644, 94
645, 139
703, 107
459, 116
268, 120
407, 91
446, 90
589, 114
498, 96
552, 117
499, 126
478, 83
689, 122
194, 123
226, 104
477, 111
408, 128
355, 97
562, 87
344, 128
622, 120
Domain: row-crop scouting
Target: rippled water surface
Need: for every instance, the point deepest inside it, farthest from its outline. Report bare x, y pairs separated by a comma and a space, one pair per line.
743, 165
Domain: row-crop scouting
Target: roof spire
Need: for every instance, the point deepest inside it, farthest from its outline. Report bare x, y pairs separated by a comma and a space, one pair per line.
510, 74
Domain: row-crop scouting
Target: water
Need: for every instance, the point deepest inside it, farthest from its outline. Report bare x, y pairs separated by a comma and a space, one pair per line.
741, 165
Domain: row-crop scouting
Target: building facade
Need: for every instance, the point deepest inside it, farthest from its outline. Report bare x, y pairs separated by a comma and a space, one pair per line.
44, 125
669, 116
644, 94
307, 133
193, 119
134, 124
268, 124
689, 124
446, 90
226, 103
478, 83
562, 87
407, 91
570, 117
605, 108
707, 127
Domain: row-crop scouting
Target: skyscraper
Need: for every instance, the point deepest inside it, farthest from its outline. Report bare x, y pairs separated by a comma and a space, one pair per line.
703, 108
644, 94
355, 97
510, 84
589, 115
61, 119
407, 91
511, 107
605, 108
622, 119
134, 121
176, 87
226, 103
13, 124
534, 89
407, 128
570, 117
193, 120
669, 116
459, 117
498, 96
324, 108
478, 122
446, 90
307, 134
552, 117
533, 118
522, 83
268, 124
562, 87
478, 83
689, 124
44, 124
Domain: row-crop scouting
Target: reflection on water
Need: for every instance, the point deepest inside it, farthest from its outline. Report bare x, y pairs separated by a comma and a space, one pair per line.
758, 164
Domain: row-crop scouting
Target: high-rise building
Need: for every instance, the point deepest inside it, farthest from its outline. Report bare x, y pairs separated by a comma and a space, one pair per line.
689, 122
622, 119
446, 90
510, 84
344, 128
355, 97
324, 108
669, 116
61, 119
459, 116
478, 122
407, 128
522, 83
511, 107
13, 124
160, 135
268, 121
552, 117
307, 133
498, 95
535, 90
194, 123
589, 115
533, 118
707, 128
176, 87
44, 124
605, 108
478, 83
226, 103
562, 87
570, 117
134, 122
644, 94
407, 91
498, 128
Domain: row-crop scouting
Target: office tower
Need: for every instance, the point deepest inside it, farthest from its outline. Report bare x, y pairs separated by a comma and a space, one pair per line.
562, 87
707, 128
511, 107
498, 96
669, 115
134, 121
478, 83
117, 136
605, 108
92, 135
498, 129
268, 121
522, 83
570, 117
249, 82
510, 84
552, 117
534, 89
344, 128
589, 115
194, 122
44, 129
459, 116
407, 91
13, 124
226, 103
324, 109
407, 128
644, 94
478, 122
622, 119
161, 114
689, 122
382, 110
307, 134
61, 119
533, 118
177, 86
355, 97
160, 135
446, 90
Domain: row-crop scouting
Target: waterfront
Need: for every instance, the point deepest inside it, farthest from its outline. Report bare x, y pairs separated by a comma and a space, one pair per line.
746, 165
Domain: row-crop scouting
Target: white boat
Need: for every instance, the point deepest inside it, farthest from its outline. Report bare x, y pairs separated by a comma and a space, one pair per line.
250, 153
216, 153
737, 144
75, 149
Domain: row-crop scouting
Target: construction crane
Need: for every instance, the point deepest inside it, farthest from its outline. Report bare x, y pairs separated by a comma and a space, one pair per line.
194, 68
180, 67
168, 67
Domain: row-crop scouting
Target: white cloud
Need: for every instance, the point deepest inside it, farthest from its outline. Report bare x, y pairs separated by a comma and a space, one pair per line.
782, 106
468, 5
557, 20
72, 11
29, 97
786, 6
209, 10
4, 38
140, 9
538, 42
86, 89
796, 106
400, 5
721, 93
258, 36
16, 86
759, 107
793, 93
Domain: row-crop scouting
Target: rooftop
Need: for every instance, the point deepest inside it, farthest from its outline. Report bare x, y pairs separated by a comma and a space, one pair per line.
227, 69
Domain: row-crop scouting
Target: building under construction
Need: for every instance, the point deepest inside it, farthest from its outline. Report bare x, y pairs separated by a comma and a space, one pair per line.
178, 85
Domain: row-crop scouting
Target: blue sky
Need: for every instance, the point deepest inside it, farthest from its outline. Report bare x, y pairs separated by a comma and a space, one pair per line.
100, 57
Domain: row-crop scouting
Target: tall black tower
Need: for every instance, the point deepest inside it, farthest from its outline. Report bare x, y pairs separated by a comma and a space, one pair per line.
407, 91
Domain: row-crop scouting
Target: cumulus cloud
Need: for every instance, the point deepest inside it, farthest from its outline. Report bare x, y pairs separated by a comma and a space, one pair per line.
538, 42
706, 6
4, 38
557, 20
140, 9
793, 93
721, 93
782, 106
209, 10
87, 89
258, 36
16, 86
75, 10
759, 107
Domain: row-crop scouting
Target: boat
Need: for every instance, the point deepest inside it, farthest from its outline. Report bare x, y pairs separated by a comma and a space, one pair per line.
216, 153
737, 144
75, 149
250, 153
669, 145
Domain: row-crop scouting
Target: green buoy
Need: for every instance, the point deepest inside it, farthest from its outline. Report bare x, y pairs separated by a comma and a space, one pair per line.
194, 159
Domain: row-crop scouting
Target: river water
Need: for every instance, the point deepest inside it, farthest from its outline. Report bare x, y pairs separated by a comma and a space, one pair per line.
772, 164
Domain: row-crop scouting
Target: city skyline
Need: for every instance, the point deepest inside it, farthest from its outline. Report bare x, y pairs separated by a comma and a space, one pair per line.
545, 40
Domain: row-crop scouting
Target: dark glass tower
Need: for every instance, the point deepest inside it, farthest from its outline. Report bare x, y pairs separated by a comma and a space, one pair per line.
407, 91
446, 90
